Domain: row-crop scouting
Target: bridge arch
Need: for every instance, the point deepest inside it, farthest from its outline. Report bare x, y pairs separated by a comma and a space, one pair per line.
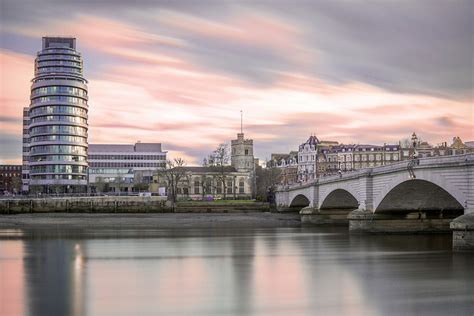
339, 199
299, 201
420, 195
426, 183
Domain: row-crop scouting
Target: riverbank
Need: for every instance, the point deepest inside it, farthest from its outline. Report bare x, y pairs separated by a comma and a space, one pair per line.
125, 204
148, 221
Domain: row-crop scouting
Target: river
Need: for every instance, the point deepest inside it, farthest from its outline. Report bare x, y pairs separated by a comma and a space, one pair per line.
231, 271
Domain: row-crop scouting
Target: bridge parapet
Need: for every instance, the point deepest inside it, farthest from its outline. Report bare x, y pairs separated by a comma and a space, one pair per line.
369, 186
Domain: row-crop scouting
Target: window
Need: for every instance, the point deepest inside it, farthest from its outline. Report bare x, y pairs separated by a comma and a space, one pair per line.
246, 152
208, 186
241, 186
196, 187
229, 186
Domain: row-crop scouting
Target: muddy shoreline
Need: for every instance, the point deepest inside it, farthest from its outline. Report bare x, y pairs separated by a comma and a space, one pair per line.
62, 221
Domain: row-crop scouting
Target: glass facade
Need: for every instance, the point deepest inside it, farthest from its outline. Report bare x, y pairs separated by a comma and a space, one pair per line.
58, 109
58, 129
58, 119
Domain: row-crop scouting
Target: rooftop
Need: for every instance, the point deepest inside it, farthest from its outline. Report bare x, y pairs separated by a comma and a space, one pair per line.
198, 169
121, 148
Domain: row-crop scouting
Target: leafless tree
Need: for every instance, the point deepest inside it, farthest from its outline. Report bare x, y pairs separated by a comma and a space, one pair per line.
267, 180
173, 173
408, 143
219, 160
99, 184
119, 181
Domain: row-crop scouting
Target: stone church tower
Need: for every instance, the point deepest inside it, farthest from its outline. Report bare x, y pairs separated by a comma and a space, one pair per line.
242, 154
242, 159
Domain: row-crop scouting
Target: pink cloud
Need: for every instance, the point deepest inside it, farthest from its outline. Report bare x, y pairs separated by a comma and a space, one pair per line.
15, 76
244, 27
159, 95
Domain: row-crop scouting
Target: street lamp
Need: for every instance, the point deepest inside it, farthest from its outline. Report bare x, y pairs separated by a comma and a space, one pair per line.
414, 140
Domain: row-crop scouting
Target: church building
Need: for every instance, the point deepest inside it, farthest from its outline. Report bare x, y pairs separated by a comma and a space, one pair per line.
235, 182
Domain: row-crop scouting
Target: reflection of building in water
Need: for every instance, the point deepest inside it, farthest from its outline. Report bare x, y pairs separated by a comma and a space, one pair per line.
242, 251
54, 275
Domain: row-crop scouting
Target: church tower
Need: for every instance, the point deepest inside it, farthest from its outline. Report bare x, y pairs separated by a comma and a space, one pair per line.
242, 151
242, 154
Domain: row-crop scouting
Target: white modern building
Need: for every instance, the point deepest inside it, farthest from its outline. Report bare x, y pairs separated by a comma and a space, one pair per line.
124, 168
25, 167
55, 139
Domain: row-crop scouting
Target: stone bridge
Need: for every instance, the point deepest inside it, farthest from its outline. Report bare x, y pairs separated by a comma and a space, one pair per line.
443, 188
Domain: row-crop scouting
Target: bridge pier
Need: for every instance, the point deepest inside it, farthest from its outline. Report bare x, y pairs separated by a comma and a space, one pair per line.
315, 216
387, 199
463, 231
366, 221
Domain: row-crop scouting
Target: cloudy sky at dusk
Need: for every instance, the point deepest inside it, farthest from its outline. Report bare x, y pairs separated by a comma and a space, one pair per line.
179, 72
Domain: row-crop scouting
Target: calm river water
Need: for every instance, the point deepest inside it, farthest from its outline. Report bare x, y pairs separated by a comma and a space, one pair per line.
284, 271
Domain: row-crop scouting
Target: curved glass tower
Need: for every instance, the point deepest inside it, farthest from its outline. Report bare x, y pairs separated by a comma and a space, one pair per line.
58, 119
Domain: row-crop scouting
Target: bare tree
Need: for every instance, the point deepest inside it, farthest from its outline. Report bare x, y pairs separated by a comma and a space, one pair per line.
99, 185
16, 185
267, 180
119, 181
408, 143
173, 174
219, 159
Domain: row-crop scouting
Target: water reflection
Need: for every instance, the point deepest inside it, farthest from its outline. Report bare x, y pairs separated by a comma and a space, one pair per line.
11, 278
53, 276
291, 271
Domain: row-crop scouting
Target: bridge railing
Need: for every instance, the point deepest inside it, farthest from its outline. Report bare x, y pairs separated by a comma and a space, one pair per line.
401, 165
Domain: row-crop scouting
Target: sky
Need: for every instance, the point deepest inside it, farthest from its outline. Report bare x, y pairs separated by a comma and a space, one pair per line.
180, 72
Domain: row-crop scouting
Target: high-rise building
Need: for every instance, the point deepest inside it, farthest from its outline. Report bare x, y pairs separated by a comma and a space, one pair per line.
25, 172
57, 130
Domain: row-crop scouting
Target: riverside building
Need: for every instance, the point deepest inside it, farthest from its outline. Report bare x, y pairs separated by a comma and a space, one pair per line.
55, 139
236, 181
124, 168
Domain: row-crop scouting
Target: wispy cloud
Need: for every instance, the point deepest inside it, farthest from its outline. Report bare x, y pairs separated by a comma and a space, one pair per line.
180, 74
